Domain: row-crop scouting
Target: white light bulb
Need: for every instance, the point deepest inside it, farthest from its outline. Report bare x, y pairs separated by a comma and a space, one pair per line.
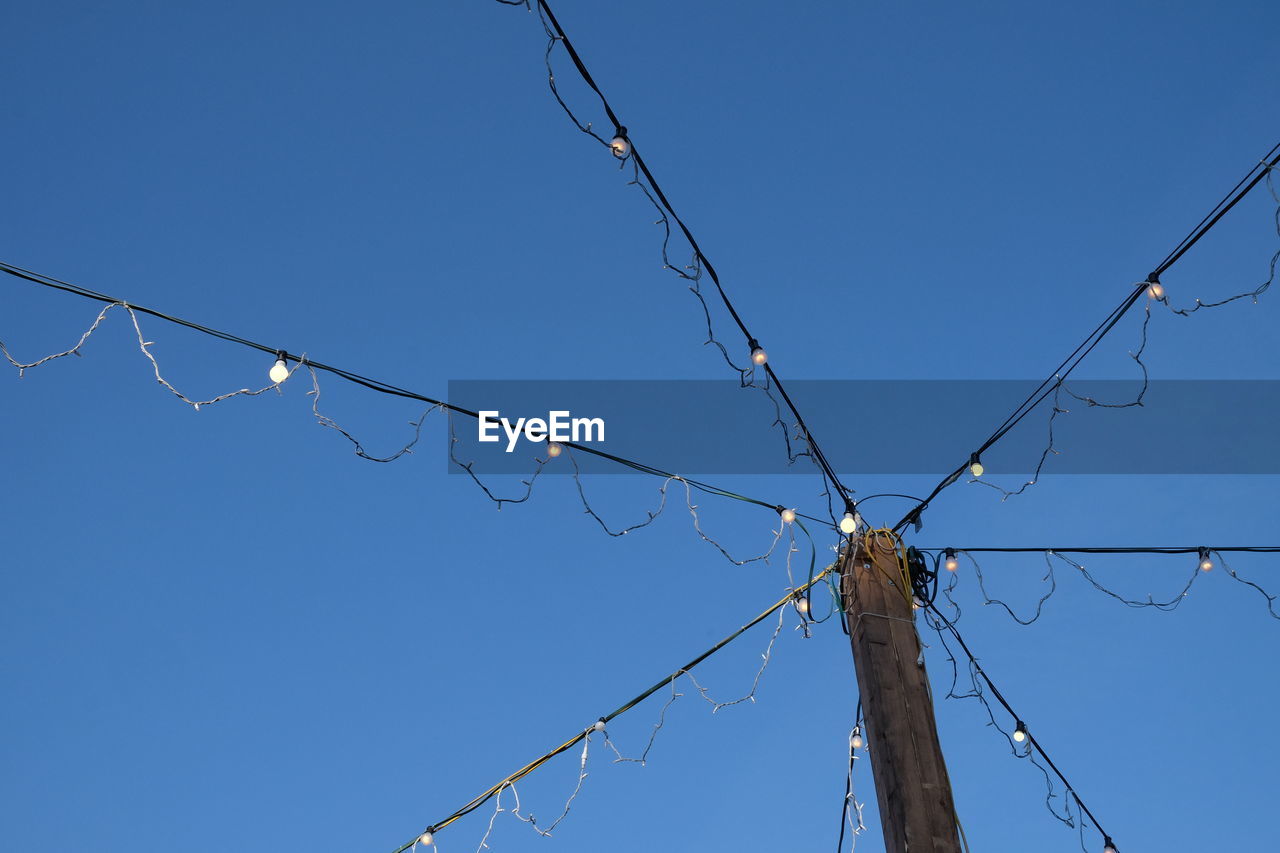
1156, 291
951, 563
802, 604
1205, 562
788, 516
426, 838
975, 468
1020, 733
279, 371
759, 356
856, 740
848, 524
598, 725
620, 146
554, 449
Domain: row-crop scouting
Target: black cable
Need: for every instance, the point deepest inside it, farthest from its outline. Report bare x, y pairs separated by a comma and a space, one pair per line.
1250, 549
368, 382
977, 667
1064, 369
1211, 218
844, 804
866, 498
752, 342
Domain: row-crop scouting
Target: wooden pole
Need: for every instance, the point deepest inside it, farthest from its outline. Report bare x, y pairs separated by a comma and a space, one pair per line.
912, 788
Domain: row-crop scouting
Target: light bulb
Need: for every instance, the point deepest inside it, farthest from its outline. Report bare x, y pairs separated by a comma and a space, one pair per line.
1156, 291
426, 838
951, 563
802, 605
598, 725
915, 603
620, 145
1108, 846
975, 466
788, 516
554, 449
280, 370
848, 524
1205, 563
1020, 733
856, 740
759, 356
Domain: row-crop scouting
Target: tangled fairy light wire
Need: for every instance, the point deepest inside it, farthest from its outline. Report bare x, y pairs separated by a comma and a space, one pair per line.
1022, 742
427, 836
314, 367
1206, 558
623, 147
1156, 293
1151, 287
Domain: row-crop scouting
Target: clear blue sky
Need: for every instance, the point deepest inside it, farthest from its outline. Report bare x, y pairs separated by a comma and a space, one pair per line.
223, 631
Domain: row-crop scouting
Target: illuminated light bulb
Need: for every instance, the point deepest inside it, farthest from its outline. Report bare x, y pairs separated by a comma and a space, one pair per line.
554, 449
759, 356
802, 605
598, 725
1108, 846
788, 516
856, 740
1020, 733
915, 603
280, 370
951, 563
426, 838
1205, 563
975, 466
1155, 290
620, 145
848, 524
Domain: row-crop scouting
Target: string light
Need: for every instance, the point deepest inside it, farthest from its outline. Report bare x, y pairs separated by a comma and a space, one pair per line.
788, 516
644, 179
848, 524
554, 449
758, 355
347, 375
620, 145
951, 563
975, 466
279, 371
583, 735
1205, 554
426, 839
1155, 290
856, 740
1256, 174
979, 689
802, 605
